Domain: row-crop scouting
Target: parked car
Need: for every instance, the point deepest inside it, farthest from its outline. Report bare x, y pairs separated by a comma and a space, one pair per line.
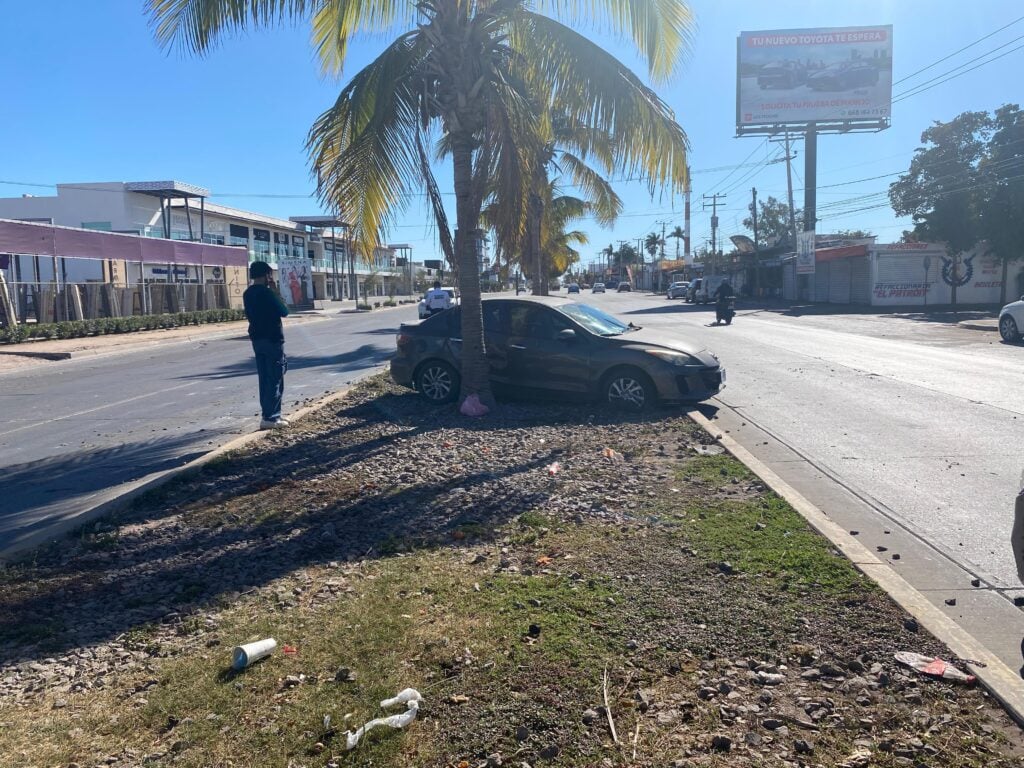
705, 293
421, 308
549, 344
573, 288
1011, 320
691, 291
677, 290
598, 288
844, 76
624, 287
781, 74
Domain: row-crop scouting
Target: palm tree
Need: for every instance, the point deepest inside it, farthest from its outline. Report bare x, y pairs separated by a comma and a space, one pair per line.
480, 75
651, 244
679, 234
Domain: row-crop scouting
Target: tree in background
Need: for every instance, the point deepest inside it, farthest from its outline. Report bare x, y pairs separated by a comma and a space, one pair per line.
652, 242
773, 222
854, 234
679, 234
1002, 184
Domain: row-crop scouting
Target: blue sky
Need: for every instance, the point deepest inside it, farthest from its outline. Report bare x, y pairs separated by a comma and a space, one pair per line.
90, 97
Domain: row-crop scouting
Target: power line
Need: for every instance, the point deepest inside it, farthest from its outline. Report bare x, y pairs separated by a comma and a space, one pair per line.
912, 92
961, 50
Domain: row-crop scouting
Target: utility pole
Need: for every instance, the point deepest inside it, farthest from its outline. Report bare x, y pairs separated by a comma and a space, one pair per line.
757, 246
789, 189
714, 219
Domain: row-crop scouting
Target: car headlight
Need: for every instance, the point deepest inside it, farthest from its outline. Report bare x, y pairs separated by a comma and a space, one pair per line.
673, 358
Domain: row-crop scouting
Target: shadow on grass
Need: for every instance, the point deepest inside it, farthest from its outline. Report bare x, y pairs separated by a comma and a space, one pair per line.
182, 549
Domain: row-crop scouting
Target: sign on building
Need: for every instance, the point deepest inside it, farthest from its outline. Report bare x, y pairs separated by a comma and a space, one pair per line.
805, 253
295, 281
788, 76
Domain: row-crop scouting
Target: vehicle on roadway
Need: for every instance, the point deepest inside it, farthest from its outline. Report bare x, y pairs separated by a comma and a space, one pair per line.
421, 308
545, 344
1011, 320
677, 290
704, 293
598, 288
573, 288
624, 287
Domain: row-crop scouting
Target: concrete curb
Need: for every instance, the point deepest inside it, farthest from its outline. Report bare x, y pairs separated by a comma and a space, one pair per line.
997, 678
979, 325
137, 488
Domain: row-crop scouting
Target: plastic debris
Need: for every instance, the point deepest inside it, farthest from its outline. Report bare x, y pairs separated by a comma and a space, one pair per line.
410, 697
933, 667
289, 650
472, 406
246, 655
554, 468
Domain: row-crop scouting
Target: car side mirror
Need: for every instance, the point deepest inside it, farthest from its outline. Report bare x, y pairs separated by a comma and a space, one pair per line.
1022, 298
567, 334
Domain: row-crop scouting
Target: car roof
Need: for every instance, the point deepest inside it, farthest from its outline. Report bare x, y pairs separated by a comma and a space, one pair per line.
550, 301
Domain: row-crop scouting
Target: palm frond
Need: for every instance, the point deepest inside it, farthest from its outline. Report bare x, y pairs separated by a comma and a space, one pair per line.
365, 146
605, 204
661, 30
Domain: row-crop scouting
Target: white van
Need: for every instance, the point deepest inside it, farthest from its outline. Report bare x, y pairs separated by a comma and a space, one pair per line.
705, 293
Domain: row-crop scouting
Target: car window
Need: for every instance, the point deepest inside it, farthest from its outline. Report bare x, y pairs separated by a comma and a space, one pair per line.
594, 320
492, 317
535, 322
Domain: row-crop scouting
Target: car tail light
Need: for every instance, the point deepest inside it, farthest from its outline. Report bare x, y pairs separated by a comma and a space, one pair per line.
403, 340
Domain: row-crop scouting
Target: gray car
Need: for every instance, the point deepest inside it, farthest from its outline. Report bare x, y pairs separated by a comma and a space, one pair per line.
556, 346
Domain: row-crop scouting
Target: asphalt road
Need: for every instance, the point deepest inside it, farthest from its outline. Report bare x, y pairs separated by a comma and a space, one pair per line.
907, 431
73, 432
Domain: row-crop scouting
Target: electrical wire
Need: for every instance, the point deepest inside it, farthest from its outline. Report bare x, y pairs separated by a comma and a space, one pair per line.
925, 87
961, 50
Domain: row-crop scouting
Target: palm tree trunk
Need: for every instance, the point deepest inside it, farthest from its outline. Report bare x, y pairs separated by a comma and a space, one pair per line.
534, 215
474, 371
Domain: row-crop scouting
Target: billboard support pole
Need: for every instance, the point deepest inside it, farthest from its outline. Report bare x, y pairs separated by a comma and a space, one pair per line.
811, 178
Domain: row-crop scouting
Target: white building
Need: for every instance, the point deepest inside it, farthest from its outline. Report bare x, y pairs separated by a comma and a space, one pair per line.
180, 211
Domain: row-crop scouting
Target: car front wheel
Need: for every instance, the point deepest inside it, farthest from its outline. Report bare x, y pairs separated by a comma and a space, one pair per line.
1008, 329
437, 381
628, 390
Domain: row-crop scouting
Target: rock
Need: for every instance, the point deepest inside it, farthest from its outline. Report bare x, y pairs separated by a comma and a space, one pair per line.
950, 601
726, 568
523, 733
911, 624
752, 739
534, 602
494, 760
345, 675
767, 678
721, 743
803, 747
550, 752
669, 717
771, 723
590, 717
534, 630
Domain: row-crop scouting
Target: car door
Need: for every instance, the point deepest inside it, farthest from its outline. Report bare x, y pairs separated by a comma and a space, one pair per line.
495, 345
538, 357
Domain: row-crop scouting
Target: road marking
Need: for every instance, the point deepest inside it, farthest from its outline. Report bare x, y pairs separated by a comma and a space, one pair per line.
97, 408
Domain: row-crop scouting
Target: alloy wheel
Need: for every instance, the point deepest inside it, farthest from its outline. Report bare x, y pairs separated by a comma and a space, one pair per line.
627, 392
436, 383
1008, 329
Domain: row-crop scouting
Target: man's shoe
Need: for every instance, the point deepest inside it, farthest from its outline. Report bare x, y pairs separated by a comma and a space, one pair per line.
268, 424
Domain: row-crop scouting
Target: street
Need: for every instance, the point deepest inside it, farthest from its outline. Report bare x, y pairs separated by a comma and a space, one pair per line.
73, 432
908, 432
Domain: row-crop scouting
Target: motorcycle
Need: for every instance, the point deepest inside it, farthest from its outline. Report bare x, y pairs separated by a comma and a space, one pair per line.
725, 310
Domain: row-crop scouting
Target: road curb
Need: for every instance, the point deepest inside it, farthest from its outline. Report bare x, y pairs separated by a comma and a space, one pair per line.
139, 487
978, 326
997, 678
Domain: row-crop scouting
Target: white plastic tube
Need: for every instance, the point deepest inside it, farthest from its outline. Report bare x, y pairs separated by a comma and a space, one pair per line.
410, 697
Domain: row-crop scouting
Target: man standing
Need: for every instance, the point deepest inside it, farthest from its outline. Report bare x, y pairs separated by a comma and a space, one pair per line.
264, 310
437, 300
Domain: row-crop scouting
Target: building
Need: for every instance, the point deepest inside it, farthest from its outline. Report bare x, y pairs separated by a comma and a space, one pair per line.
179, 211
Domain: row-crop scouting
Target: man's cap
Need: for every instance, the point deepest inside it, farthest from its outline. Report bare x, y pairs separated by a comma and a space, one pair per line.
259, 269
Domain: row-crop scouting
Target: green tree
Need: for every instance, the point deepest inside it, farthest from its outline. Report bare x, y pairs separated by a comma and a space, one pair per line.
1002, 185
941, 191
679, 234
773, 221
626, 255
481, 75
652, 242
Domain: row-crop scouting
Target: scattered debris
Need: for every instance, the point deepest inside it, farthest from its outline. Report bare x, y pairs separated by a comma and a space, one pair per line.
933, 667
246, 655
612, 454
608, 709
472, 406
410, 697
554, 468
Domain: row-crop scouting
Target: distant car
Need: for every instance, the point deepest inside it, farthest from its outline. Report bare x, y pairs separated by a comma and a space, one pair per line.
421, 308
556, 345
705, 292
573, 288
677, 290
691, 291
781, 74
1011, 320
598, 288
844, 76
624, 287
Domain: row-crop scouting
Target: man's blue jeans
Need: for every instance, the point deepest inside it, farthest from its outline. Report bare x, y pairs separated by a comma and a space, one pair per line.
271, 365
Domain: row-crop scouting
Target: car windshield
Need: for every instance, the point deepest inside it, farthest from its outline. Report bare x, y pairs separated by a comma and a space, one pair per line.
593, 319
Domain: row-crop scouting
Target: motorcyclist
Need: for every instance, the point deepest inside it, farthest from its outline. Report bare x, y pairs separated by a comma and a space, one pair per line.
723, 296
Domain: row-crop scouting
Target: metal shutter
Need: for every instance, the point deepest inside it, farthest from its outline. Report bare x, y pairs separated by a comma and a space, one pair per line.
789, 281
860, 280
839, 281
819, 281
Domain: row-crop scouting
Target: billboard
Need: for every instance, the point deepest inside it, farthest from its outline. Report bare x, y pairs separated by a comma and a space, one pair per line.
791, 76
805, 253
295, 281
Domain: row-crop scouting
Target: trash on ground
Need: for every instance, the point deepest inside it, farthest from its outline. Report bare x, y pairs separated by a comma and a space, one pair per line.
246, 655
611, 453
708, 450
927, 665
472, 406
289, 650
554, 468
410, 697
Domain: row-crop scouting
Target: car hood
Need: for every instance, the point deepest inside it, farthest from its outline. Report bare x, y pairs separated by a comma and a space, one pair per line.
649, 337
1012, 306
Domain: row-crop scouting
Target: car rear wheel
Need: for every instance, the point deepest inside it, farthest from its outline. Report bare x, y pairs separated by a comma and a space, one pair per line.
1008, 329
627, 389
437, 381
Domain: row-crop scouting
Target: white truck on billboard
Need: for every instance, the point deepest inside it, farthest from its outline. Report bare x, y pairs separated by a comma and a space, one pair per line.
803, 75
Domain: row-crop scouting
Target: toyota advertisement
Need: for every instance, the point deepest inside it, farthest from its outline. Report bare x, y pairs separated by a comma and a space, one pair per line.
788, 76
